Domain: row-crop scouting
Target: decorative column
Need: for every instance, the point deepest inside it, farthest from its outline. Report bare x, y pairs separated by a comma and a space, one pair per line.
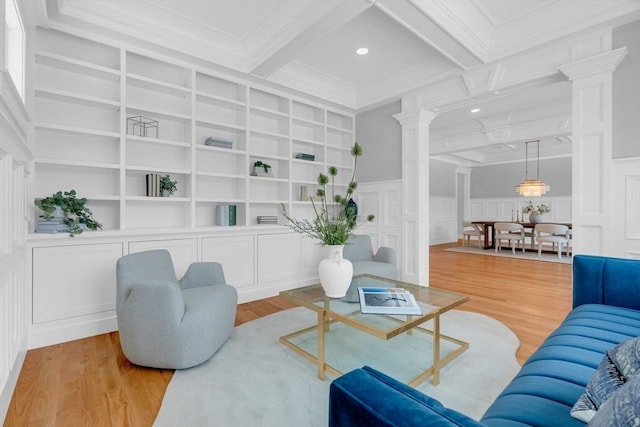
592, 121
414, 254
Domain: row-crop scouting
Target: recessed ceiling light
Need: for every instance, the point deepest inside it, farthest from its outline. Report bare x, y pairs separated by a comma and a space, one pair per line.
362, 51
475, 110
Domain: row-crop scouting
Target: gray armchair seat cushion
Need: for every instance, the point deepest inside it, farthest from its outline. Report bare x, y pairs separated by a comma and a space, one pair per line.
359, 251
169, 323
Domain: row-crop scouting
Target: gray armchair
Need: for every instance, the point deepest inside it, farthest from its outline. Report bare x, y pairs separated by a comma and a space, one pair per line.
169, 323
359, 251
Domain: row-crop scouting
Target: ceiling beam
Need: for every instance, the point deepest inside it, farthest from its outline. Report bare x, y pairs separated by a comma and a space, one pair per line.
326, 16
557, 126
414, 16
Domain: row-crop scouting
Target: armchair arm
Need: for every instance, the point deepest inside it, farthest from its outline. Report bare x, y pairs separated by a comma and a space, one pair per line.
365, 397
385, 254
148, 304
203, 274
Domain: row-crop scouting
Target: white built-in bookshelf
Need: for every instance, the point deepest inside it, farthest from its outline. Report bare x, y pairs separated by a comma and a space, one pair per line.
86, 90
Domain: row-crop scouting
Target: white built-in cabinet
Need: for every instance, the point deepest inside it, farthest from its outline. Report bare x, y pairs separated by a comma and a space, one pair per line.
84, 93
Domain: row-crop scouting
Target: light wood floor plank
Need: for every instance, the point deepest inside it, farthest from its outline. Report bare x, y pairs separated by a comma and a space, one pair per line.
89, 382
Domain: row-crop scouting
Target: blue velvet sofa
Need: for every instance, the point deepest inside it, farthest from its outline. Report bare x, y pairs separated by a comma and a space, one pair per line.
606, 311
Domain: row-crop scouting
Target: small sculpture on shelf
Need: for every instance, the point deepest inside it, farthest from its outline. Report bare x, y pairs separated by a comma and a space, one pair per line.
65, 213
142, 126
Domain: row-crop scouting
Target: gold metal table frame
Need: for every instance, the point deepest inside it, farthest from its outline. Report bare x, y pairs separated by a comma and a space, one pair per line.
434, 303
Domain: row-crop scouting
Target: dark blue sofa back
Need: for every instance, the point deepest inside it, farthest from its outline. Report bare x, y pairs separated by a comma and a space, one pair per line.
603, 280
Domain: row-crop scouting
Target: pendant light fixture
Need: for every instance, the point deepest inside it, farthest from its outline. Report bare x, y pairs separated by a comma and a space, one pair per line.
532, 187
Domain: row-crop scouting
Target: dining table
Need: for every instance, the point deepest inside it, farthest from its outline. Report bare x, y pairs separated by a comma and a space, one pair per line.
487, 226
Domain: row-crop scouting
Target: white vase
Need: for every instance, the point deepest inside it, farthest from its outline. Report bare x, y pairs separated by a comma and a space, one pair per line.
335, 272
536, 218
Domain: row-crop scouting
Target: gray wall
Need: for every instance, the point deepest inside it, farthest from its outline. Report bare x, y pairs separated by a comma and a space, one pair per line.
380, 136
442, 179
494, 181
626, 93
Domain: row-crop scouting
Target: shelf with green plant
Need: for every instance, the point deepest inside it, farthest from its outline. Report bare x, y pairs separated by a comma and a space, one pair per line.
334, 222
65, 207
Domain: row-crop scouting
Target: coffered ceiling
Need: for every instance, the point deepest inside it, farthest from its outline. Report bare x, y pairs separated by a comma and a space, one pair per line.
309, 45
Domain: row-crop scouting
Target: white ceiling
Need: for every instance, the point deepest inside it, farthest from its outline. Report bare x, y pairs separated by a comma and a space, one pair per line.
309, 45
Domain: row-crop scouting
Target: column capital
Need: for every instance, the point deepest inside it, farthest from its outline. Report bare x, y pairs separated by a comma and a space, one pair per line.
600, 63
415, 115
463, 170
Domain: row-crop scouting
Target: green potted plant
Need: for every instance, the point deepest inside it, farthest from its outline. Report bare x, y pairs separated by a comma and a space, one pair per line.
167, 186
334, 223
261, 168
68, 210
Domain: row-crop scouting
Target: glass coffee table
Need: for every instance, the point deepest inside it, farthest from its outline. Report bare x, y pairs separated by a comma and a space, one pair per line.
410, 348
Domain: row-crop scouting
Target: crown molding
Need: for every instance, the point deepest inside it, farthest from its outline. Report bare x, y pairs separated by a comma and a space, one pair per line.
601, 63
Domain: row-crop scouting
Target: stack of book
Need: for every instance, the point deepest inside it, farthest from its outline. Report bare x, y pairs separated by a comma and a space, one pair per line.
226, 215
267, 219
153, 185
305, 156
52, 226
216, 141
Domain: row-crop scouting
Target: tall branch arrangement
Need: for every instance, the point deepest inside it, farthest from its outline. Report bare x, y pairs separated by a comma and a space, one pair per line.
334, 222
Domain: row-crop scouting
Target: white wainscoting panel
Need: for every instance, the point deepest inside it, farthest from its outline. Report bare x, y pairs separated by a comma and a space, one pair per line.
236, 254
510, 209
88, 274
381, 199
183, 251
275, 252
626, 212
16, 203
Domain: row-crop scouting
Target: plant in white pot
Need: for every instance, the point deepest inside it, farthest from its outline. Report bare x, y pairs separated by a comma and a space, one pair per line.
334, 223
536, 213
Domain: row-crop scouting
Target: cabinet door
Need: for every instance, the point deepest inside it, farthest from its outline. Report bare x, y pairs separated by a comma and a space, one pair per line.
278, 257
71, 281
183, 251
236, 254
311, 253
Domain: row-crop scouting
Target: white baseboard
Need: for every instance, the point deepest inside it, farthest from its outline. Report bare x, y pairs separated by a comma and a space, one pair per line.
10, 385
51, 333
265, 291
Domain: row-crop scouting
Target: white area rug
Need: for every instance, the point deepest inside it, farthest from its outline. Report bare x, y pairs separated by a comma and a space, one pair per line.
254, 380
533, 256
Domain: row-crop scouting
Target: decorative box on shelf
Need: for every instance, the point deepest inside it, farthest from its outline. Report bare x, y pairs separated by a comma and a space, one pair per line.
216, 141
267, 219
142, 126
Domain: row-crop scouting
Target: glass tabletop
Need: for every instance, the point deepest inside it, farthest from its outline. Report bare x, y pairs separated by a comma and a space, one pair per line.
432, 302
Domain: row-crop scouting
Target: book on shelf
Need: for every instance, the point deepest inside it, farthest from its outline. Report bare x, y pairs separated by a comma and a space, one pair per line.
388, 301
216, 141
153, 184
226, 215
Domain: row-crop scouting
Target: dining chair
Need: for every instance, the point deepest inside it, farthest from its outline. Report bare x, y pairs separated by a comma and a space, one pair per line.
470, 229
509, 231
556, 234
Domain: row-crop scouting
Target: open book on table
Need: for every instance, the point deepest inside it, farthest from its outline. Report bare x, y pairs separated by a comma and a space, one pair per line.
388, 301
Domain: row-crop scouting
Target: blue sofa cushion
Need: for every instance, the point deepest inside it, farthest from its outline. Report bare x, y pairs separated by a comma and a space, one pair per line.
617, 365
388, 402
622, 409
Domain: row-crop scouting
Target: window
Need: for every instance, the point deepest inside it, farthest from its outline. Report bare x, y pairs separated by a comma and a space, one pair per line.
15, 45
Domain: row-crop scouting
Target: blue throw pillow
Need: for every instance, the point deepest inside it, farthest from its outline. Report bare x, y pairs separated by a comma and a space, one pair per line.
617, 365
622, 409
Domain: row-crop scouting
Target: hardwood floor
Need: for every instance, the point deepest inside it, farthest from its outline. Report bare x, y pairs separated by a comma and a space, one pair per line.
89, 382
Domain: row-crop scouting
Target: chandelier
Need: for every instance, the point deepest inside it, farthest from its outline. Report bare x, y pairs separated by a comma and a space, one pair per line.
532, 187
